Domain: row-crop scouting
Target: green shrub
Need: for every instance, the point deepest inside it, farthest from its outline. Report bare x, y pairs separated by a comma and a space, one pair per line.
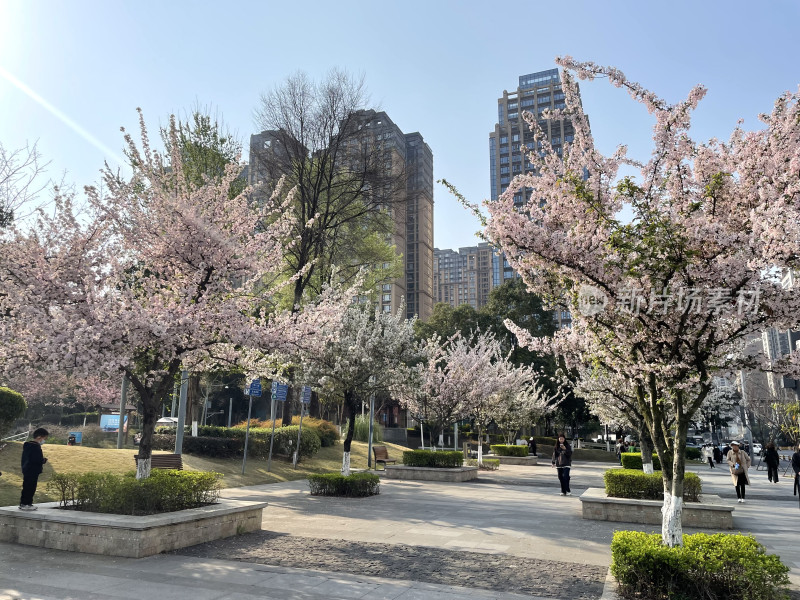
694, 454
444, 459
12, 407
163, 491
356, 485
718, 566
489, 464
361, 431
633, 460
284, 444
632, 483
508, 450
544, 443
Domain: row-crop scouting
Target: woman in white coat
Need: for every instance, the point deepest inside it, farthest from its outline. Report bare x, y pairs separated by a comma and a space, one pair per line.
739, 463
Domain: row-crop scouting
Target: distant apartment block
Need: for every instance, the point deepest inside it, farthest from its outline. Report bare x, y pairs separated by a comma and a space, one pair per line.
411, 207
464, 276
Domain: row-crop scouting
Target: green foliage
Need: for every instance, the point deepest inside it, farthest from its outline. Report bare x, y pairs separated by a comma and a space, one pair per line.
215, 447
489, 464
361, 430
356, 485
12, 407
693, 454
327, 432
629, 483
508, 450
445, 459
716, 567
163, 491
543, 442
633, 460
284, 444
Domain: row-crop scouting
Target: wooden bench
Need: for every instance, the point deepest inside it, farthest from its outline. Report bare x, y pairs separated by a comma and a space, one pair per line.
164, 461
382, 456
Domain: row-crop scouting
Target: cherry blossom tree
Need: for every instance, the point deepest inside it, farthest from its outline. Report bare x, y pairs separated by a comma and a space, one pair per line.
164, 274
516, 408
664, 301
365, 353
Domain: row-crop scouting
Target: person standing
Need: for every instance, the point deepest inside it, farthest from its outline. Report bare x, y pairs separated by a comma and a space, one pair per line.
739, 463
532, 446
32, 462
796, 469
618, 449
773, 461
562, 461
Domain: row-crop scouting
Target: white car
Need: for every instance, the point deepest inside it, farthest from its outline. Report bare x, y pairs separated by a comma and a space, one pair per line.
757, 449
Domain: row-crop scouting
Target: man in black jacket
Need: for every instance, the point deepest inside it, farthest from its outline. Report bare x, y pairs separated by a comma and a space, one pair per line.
32, 463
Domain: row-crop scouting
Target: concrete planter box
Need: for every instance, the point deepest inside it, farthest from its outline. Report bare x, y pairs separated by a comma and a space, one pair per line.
431, 474
515, 460
125, 535
711, 513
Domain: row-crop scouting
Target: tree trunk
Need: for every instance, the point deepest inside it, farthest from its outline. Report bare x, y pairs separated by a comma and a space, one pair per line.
480, 446
646, 447
288, 406
671, 522
194, 400
350, 408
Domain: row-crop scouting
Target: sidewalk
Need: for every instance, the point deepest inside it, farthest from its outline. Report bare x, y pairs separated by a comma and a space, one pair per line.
514, 515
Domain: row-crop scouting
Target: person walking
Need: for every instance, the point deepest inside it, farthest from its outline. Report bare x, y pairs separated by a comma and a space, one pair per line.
796, 469
618, 449
739, 463
717, 454
709, 454
773, 461
562, 461
532, 446
32, 462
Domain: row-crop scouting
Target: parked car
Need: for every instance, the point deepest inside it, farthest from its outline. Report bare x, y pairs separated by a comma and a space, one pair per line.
758, 450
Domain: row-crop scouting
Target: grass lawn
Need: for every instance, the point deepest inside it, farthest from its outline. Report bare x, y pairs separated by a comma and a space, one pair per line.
80, 459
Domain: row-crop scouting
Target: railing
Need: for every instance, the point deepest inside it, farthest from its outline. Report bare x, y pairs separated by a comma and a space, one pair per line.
17, 437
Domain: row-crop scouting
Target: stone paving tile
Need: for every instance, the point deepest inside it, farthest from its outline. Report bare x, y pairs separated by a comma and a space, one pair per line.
498, 572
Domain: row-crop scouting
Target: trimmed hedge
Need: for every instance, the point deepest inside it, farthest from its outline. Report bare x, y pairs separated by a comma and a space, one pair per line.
285, 440
164, 491
719, 566
326, 430
215, 447
444, 459
633, 460
356, 485
694, 454
632, 483
508, 450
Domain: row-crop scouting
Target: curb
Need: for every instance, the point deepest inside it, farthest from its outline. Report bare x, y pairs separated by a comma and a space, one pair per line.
609, 588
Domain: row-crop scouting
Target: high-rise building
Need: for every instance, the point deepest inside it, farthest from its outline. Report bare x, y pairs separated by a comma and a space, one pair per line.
512, 141
410, 206
463, 277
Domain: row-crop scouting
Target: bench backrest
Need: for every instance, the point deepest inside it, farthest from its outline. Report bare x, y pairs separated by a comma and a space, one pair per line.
380, 452
165, 461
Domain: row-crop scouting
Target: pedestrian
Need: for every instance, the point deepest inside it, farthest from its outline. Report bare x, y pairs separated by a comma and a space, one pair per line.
532, 446
725, 449
618, 449
709, 454
773, 461
739, 463
796, 469
562, 461
33, 461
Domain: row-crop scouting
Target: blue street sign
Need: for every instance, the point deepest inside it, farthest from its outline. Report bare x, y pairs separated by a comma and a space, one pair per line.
305, 398
280, 391
255, 388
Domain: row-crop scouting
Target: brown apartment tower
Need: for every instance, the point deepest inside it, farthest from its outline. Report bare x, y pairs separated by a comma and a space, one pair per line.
411, 208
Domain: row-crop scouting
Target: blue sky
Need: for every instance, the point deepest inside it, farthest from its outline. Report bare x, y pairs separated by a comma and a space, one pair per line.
436, 67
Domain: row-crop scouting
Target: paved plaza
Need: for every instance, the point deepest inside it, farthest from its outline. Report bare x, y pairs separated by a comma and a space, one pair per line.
508, 535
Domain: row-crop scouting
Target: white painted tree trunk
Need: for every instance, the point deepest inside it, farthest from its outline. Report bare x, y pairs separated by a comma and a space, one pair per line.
480, 452
143, 468
647, 468
346, 464
671, 527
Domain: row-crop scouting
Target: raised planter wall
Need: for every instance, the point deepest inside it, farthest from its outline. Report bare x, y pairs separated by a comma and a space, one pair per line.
455, 474
125, 535
515, 460
711, 513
